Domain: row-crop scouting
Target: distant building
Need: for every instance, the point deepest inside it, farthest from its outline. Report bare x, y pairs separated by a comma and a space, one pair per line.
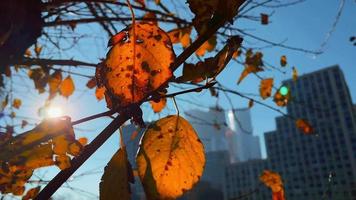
320, 166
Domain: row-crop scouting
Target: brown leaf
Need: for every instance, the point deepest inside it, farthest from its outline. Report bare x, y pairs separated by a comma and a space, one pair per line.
38, 49
181, 35
295, 74
304, 126
67, 87
266, 88
115, 182
91, 83
283, 61
250, 103
130, 78
170, 151
16, 103
54, 82
264, 19
253, 63
207, 46
150, 17
24, 123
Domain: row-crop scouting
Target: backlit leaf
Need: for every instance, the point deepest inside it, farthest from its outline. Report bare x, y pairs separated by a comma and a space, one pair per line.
100, 93
17, 103
129, 78
207, 46
283, 61
158, 106
115, 182
274, 182
31, 193
304, 126
266, 88
181, 35
54, 82
67, 87
281, 99
91, 83
253, 64
171, 158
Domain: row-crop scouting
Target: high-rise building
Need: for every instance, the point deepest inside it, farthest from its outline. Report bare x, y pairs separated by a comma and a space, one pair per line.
322, 165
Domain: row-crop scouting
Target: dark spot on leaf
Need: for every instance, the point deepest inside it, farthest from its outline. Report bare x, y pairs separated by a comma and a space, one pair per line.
138, 55
158, 37
154, 72
160, 136
145, 66
129, 67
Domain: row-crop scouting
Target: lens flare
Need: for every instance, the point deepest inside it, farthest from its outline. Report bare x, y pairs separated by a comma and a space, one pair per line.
54, 111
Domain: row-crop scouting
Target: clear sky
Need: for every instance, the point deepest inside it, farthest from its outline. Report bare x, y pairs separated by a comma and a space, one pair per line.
306, 25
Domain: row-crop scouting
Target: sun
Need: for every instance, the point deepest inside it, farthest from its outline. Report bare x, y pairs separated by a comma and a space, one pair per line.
54, 111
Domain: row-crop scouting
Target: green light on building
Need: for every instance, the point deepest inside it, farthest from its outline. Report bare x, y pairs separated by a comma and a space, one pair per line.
284, 90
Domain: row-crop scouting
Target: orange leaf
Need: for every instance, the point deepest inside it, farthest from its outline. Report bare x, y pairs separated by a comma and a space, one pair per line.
266, 87
129, 78
91, 83
304, 126
181, 35
17, 103
100, 93
158, 106
150, 17
31, 193
274, 182
83, 141
209, 46
281, 100
67, 87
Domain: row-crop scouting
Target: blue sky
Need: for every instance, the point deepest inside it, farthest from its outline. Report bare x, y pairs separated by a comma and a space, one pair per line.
305, 25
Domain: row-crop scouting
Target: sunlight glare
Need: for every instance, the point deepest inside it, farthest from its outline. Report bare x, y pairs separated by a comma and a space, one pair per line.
54, 111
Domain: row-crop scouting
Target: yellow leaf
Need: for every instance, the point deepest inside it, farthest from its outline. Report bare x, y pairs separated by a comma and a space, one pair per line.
295, 74
266, 87
158, 106
100, 93
304, 126
283, 61
67, 87
129, 78
170, 159
115, 182
17, 103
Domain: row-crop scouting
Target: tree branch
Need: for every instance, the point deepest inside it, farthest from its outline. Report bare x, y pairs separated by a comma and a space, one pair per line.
42, 61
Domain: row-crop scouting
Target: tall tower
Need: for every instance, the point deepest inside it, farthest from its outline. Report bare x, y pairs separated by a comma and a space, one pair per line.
320, 166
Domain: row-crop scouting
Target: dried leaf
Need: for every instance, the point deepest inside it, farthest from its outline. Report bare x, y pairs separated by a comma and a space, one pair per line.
209, 46
54, 82
129, 78
38, 49
67, 87
115, 182
91, 83
253, 63
283, 61
282, 99
250, 103
31, 193
158, 106
304, 126
100, 93
181, 35
170, 152
17, 103
264, 19
266, 88
150, 17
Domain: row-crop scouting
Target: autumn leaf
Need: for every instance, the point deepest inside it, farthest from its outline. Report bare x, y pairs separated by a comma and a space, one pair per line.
295, 74
266, 88
67, 87
16, 103
209, 11
38, 49
181, 35
91, 83
4, 102
130, 78
264, 19
54, 82
23, 123
304, 126
212, 66
283, 61
115, 182
282, 96
150, 17
170, 152
141, 2
31, 193
207, 46
250, 103
158, 106
253, 63
39, 77
100, 93
274, 182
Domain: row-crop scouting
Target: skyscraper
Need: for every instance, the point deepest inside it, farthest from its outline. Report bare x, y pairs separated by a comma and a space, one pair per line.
322, 165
